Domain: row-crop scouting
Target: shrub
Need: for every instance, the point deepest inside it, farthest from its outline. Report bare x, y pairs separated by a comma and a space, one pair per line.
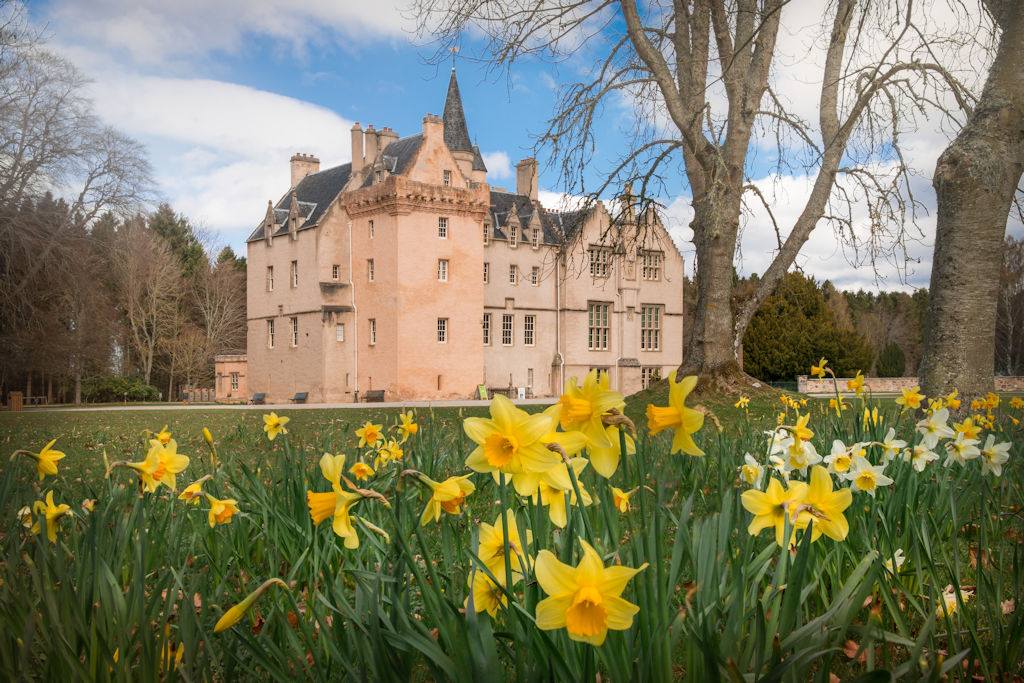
113, 388
892, 362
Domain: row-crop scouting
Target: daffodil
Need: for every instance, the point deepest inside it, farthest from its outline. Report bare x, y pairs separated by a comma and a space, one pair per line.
773, 506
994, 456
856, 384
676, 416
235, 614
582, 407
369, 434
194, 491
161, 465
949, 604
800, 430
510, 440
992, 400
752, 472
1017, 402
891, 446
837, 406
52, 513
46, 459
839, 461
742, 403
799, 454
274, 425
586, 599
447, 495
487, 596
555, 490
336, 503
819, 369
825, 513
969, 429
894, 563
606, 460
407, 427
163, 436
221, 511
871, 416
620, 498
492, 546
360, 470
920, 455
867, 477
391, 452
934, 427
960, 450
910, 399
951, 399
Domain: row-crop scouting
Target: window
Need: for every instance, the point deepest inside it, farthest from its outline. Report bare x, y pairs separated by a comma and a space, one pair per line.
369, 269
529, 377
600, 371
535, 276
442, 330
513, 237
442, 270
487, 234
339, 332
649, 375
512, 275
378, 176
371, 230
295, 273
270, 334
487, 272
447, 179
270, 278
335, 271
487, 329
529, 324
599, 257
442, 228
234, 381
535, 238
506, 329
650, 265
597, 326
294, 323
373, 331
650, 328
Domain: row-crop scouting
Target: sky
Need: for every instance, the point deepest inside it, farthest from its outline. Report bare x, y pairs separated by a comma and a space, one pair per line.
223, 93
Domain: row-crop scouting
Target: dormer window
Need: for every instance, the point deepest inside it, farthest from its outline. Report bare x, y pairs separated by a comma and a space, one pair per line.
512, 236
535, 238
487, 234
378, 177
447, 179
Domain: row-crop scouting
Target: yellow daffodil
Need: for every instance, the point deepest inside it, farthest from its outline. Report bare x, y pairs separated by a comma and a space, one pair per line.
46, 459
911, 399
391, 452
510, 440
856, 384
1017, 402
487, 596
52, 513
235, 614
825, 515
207, 437
369, 434
606, 460
360, 470
992, 401
554, 488
951, 400
336, 503
407, 427
977, 404
742, 403
871, 416
819, 369
773, 506
586, 599
800, 429
799, 454
194, 491
751, 472
491, 548
274, 425
994, 456
969, 429
620, 498
221, 511
163, 436
161, 465
582, 407
685, 421
447, 495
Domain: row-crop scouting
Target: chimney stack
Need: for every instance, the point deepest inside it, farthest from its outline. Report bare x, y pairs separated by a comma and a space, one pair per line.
357, 148
302, 166
526, 178
371, 146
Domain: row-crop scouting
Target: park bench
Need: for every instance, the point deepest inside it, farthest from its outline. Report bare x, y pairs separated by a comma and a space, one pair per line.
258, 399
300, 397
374, 396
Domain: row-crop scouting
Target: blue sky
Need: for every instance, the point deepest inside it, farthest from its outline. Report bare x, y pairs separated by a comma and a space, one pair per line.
223, 93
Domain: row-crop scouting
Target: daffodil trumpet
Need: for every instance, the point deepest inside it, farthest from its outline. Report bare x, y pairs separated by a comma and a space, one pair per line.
235, 614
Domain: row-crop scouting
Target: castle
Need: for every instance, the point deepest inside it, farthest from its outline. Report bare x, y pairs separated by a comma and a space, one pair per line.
405, 272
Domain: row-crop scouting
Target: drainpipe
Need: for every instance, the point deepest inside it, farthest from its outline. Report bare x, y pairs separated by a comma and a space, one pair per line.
558, 324
355, 317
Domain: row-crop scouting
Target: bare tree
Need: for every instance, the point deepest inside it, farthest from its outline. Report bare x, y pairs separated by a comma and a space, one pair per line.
975, 180
220, 298
1010, 313
699, 77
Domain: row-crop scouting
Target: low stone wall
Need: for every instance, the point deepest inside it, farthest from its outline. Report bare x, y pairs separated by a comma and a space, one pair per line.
807, 385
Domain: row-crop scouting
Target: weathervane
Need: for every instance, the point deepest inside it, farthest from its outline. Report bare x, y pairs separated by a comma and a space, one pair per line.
453, 49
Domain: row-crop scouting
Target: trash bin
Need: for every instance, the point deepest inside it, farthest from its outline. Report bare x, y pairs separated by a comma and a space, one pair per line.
15, 400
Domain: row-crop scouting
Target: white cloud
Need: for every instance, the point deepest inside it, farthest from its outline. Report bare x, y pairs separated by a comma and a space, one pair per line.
154, 31
499, 166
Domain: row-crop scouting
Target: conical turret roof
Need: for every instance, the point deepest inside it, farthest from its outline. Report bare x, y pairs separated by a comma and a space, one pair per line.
456, 135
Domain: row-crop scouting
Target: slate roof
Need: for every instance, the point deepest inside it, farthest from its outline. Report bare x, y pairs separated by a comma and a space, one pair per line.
555, 226
478, 160
397, 156
456, 134
315, 193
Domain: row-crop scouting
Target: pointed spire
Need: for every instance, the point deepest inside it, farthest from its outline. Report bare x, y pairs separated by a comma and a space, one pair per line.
456, 135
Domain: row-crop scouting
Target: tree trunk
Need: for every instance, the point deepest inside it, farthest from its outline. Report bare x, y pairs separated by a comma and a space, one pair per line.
975, 180
78, 385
